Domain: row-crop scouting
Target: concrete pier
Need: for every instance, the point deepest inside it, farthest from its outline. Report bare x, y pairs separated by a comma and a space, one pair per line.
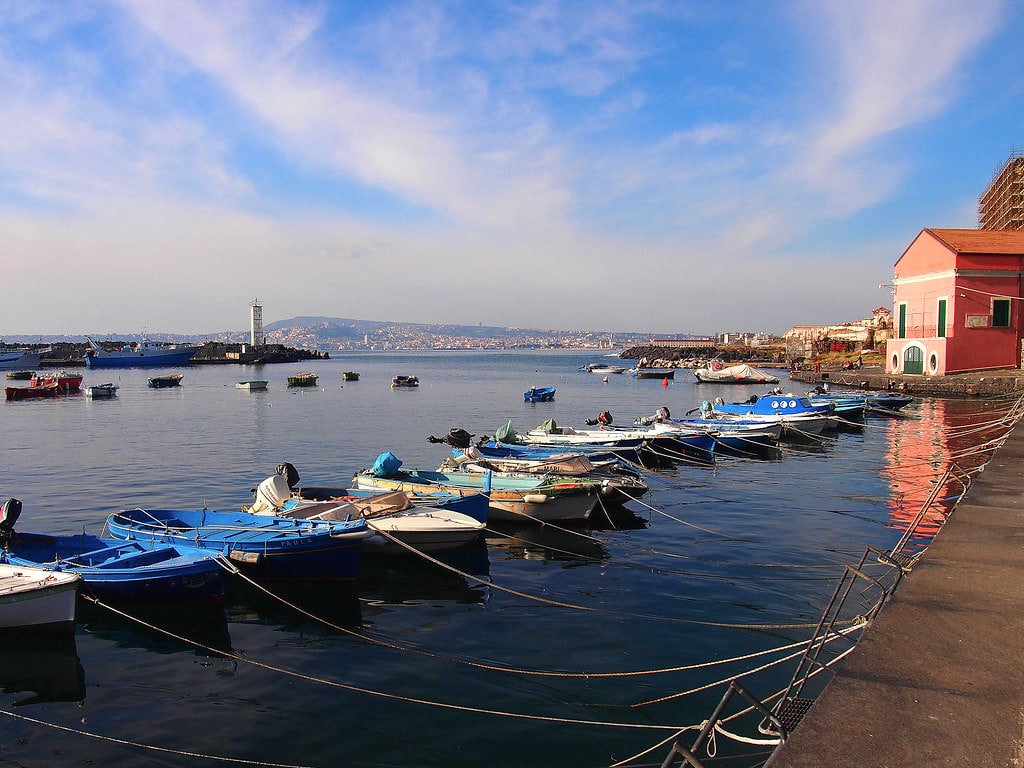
938, 678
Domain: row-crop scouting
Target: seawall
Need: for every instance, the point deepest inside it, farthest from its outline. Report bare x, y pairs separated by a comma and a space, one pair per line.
938, 678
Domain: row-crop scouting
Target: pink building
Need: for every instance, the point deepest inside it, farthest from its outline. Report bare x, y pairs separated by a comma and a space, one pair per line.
957, 302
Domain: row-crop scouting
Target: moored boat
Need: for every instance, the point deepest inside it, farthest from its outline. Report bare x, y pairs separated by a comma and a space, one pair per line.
38, 600
404, 381
716, 372
603, 368
512, 497
271, 547
539, 394
68, 382
308, 379
253, 385
111, 568
350, 376
19, 359
162, 382
396, 519
141, 353
101, 390
653, 373
20, 375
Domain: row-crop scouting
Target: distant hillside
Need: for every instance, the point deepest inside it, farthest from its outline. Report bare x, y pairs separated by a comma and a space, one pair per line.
335, 333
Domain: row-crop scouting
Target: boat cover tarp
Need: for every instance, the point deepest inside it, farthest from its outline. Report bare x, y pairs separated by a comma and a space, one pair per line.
738, 373
506, 433
386, 465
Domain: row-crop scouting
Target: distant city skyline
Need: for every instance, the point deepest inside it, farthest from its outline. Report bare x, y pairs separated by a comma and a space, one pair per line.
670, 164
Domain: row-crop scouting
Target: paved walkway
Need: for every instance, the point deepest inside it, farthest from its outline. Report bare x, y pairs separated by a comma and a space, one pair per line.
938, 679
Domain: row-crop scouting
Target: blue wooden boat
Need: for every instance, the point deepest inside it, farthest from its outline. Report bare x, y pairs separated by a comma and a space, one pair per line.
262, 546
886, 403
116, 569
539, 394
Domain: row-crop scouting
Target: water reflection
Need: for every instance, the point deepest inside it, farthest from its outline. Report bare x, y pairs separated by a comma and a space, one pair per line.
407, 579
165, 628
532, 542
45, 666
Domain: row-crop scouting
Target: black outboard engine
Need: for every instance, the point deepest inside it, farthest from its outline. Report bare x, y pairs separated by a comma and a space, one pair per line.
290, 473
662, 414
456, 438
604, 417
10, 511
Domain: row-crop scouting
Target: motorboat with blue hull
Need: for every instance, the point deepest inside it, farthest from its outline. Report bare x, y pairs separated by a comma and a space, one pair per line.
270, 547
143, 353
127, 570
798, 415
539, 395
870, 403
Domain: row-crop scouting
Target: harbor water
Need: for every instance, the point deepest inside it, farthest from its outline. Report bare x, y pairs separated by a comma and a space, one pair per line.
538, 646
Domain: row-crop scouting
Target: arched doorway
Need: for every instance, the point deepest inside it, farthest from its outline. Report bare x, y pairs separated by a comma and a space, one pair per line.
913, 360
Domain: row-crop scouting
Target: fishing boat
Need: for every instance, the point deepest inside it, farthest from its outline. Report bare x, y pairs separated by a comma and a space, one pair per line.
539, 394
269, 547
431, 524
350, 376
36, 599
46, 385
303, 380
619, 483
127, 570
20, 375
69, 383
512, 496
19, 359
138, 354
253, 385
798, 415
653, 373
162, 382
885, 403
101, 390
716, 372
404, 381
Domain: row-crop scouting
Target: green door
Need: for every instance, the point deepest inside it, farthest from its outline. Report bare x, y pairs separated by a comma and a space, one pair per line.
903, 322
940, 331
913, 360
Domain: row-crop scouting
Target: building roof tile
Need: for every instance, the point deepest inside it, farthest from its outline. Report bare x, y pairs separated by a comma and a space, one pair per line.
993, 241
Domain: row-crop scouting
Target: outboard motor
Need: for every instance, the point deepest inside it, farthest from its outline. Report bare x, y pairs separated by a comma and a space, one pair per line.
456, 438
271, 495
290, 474
10, 511
604, 417
705, 409
662, 414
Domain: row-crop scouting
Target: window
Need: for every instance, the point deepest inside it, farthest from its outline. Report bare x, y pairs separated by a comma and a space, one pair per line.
1000, 313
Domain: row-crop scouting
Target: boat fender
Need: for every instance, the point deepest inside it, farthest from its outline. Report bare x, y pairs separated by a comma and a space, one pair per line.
535, 498
248, 558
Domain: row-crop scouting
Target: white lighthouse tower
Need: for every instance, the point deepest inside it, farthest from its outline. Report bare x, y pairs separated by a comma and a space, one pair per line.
256, 336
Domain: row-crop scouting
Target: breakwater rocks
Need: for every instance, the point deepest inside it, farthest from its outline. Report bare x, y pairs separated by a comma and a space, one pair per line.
658, 356
66, 354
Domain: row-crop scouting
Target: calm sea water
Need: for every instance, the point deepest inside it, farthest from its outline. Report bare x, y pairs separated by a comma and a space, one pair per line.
538, 647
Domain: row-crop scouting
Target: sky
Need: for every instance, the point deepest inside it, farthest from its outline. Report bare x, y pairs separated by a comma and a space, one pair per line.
677, 167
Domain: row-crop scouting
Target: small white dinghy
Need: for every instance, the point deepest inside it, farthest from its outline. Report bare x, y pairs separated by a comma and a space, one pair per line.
392, 515
37, 599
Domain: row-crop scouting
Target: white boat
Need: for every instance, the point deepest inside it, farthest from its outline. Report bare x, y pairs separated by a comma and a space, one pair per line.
602, 368
101, 390
715, 372
253, 385
20, 359
38, 599
391, 515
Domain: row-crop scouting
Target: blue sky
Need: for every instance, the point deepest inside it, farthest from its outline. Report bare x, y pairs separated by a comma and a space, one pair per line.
672, 167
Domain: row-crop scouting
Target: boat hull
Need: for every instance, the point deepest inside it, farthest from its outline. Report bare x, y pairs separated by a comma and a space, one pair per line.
141, 359
19, 359
35, 599
121, 570
265, 547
